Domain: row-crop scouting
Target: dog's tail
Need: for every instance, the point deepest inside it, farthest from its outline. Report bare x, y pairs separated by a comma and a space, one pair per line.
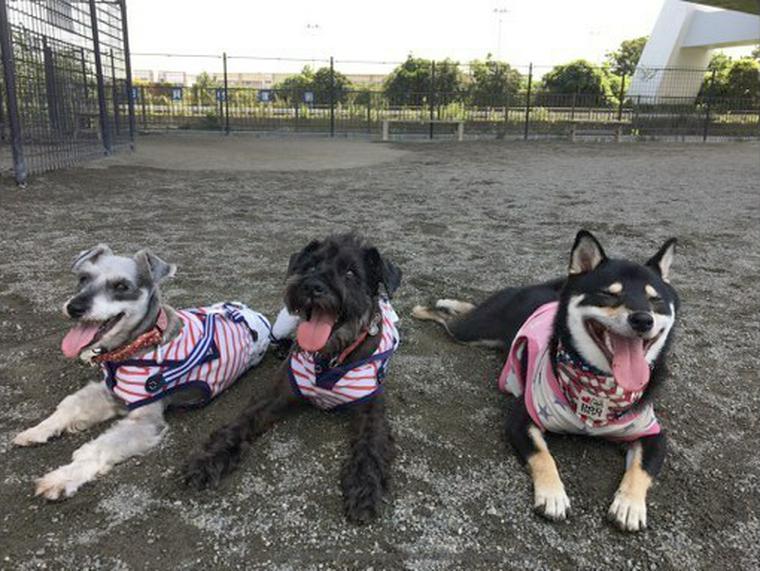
444, 311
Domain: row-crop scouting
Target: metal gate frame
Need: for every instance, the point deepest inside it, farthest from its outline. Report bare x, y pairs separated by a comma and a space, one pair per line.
46, 133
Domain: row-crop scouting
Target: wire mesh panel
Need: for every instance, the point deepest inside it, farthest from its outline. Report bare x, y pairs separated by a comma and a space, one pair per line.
69, 100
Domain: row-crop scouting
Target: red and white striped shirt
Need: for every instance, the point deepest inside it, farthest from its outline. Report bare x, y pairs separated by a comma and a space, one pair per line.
332, 387
216, 345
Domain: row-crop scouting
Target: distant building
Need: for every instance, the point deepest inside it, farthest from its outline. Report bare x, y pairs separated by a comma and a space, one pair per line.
255, 80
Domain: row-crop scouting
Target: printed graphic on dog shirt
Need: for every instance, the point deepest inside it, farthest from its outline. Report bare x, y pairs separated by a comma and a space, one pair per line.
216, 345
331, 387
580, 400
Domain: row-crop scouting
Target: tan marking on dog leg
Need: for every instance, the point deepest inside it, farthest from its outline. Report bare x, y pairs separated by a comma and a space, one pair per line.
455, 306
629, 507
427, 314
550, 499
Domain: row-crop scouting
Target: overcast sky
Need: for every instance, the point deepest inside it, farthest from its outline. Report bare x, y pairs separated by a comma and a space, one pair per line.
545, 32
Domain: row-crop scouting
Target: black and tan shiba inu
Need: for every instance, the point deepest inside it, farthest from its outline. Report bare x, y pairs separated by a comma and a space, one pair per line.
586, 353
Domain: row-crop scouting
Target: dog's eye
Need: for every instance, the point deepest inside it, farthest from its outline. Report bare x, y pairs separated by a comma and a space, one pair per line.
350, 273
120, 286
83, 280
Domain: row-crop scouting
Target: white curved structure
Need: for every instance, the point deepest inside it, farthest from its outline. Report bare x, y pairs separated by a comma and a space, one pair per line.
682, 39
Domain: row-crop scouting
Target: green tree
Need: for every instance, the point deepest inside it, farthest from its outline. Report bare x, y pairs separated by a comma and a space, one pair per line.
719, 62
734, 79
743, 79
579, 76
410, 82
493, 82
321, 85
319, 82
204, 89
292, 88
623, 60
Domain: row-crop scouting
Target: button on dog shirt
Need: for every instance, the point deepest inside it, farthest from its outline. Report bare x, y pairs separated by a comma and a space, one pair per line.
216, 345
579, 400
330, 387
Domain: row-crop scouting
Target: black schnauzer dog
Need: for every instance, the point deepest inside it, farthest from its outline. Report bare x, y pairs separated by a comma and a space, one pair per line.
337, 293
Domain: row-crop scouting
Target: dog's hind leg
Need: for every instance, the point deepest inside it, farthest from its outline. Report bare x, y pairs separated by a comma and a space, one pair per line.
549, 497
134, 435
643, 462
365, 475
79, 411
223, 450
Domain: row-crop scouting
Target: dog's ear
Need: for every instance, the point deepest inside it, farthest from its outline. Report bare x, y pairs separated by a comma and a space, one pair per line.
308, 249
381, 271
663, 259
586, 255
89, 256
153, 268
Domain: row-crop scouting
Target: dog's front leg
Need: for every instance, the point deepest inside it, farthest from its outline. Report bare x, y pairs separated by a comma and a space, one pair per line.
643, 462
136, 434
79, 411
366, 473
222, 451
549, 497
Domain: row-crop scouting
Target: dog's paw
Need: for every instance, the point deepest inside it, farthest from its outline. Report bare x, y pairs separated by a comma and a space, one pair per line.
627, 512
363, 488
201, 473
59, 484
552, 502
361, 504
32, 436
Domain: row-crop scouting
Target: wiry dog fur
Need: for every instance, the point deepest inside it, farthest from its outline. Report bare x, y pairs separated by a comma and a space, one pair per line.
123, 293
343, 276
625, 297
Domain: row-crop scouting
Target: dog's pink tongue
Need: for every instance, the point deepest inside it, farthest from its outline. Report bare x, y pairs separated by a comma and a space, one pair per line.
629, 364
77, 339
314, 333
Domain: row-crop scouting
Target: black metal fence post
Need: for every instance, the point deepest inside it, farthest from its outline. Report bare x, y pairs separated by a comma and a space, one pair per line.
9, 76
527, 102
622, 98
710, 93
332, 97
128, 70
226, 96
369, 113
143, 106
432, 96
115, 96
105, 127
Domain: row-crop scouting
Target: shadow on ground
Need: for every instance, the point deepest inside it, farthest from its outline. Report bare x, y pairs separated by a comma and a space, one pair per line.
461, 219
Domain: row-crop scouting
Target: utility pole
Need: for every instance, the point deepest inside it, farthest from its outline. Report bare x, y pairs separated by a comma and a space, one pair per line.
500, 12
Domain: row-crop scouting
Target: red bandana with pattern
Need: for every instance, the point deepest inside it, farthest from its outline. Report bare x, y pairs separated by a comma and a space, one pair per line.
592, 394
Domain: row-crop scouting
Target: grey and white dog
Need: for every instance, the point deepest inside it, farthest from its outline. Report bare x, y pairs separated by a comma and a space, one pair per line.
117, 310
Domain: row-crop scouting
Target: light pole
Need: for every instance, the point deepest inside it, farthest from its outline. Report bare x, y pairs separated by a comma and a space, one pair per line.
500, 12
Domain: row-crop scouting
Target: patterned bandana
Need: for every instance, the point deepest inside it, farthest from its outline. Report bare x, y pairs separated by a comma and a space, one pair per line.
592, 394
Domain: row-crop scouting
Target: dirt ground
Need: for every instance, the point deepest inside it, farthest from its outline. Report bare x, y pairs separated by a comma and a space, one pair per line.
460, 219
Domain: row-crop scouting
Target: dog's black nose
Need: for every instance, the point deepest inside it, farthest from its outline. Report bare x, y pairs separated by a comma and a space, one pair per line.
315, 288
76, 308
641, 321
